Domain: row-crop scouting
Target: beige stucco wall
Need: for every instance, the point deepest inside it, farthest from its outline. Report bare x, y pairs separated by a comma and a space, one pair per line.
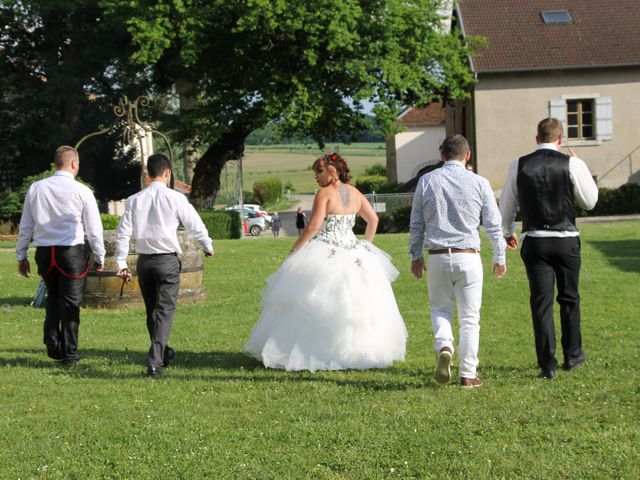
416, 148
509, 106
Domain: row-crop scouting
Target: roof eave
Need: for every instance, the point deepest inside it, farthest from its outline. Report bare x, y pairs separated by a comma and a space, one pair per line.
464, 35
572, 67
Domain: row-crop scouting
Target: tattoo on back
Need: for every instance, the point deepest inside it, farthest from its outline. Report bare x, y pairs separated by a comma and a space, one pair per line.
344, 193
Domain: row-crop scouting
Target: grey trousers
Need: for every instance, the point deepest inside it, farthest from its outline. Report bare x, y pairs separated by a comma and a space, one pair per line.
159, 279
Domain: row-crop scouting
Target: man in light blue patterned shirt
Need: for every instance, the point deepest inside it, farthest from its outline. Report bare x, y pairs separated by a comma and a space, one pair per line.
445, 219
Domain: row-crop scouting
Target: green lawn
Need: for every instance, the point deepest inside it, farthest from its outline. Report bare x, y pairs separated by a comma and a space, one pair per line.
220, 415
292, 163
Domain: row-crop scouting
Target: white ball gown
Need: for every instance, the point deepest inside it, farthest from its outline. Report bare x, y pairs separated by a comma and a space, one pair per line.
330, 306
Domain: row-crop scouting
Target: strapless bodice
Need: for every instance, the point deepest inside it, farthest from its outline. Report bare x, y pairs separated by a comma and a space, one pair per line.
338, 230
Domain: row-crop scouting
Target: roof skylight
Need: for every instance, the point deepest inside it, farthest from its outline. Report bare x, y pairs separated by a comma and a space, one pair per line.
555, 17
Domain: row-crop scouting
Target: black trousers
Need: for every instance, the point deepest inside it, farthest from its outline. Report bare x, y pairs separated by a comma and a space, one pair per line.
548, 260
159, 279
64, 296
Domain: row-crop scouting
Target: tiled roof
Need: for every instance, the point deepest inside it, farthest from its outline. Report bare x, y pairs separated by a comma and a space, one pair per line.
431, 115
603, 33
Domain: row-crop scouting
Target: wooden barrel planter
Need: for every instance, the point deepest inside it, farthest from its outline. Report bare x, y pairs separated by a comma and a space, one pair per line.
103, 288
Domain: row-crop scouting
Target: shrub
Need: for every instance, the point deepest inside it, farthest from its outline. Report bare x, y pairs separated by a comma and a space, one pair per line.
377, 169
267, 191
109, 222
619, 201
395, 221
370, 183
11, 203
221, 225
374, 183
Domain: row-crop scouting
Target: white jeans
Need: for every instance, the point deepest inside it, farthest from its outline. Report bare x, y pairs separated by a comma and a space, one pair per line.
456, 278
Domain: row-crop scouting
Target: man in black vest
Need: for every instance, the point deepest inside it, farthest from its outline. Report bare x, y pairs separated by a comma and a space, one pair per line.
543, 186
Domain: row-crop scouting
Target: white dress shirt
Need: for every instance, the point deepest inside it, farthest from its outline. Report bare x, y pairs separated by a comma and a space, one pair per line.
57, 211
585, 192
447, 207
152, 216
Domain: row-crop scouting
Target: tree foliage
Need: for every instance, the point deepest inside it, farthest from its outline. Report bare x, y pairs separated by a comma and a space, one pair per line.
63, 65
217, 70
307, 64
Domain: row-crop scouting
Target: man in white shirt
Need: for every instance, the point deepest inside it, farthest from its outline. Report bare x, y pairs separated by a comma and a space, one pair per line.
152, 216
543, 186
57, 213
445, 219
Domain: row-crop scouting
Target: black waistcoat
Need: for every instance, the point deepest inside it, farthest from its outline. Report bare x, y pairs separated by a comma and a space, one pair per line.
545, 191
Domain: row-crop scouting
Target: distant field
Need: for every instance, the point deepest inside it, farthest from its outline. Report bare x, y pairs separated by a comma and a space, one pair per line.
293, 162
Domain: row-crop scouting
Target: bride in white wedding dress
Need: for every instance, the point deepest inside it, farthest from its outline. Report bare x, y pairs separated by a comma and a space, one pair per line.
330, 305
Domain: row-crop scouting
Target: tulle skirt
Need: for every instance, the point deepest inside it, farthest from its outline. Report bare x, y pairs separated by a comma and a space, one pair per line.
330, 307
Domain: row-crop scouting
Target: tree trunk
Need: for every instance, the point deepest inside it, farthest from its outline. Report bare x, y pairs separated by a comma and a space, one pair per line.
189, 159
206, 178
186, 96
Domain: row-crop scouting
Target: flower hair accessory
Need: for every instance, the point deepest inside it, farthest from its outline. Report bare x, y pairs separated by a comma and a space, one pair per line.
335, 159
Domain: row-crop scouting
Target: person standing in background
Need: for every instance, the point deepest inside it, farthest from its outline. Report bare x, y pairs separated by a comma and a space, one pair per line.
276, 223
301, 220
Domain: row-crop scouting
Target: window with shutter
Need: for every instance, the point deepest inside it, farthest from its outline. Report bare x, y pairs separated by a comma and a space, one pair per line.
585, 119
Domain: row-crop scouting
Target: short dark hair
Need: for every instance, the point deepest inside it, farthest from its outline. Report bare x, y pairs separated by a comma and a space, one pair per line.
454, 147
64, 155
157, 164
549, 130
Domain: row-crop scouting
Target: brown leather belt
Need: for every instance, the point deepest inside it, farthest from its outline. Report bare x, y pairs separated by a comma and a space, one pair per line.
437, 251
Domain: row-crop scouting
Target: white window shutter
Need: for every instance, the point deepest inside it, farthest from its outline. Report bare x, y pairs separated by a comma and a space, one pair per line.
558, 109
604, 118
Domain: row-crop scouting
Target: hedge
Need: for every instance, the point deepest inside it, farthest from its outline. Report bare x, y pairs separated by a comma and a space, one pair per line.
395, 221
374, 183
611, 201
267, 191
109, 222
221, 225
615, 201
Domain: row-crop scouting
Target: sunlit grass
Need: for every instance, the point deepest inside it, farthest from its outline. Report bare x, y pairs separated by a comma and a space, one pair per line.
218, 414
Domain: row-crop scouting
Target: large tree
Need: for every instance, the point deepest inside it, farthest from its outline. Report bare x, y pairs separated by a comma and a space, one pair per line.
306, 64
62, 66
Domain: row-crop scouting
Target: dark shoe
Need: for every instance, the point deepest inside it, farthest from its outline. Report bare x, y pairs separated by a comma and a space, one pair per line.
154, 372
470, 382
169, 356
53, 351
442, 373
572, 365
548, 374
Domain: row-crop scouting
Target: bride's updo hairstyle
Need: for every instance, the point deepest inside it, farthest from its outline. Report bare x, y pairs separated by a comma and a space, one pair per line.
336, 161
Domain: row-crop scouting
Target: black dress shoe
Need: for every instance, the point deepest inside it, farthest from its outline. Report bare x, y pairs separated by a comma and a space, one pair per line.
548, 374
169, 355
69, 362
53, 351
154, 372
572, 365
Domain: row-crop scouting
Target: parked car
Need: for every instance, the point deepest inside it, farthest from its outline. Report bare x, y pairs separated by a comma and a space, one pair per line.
254, 207
255, 223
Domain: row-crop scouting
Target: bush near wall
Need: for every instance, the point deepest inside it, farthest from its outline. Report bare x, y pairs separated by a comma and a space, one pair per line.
395, 221
221, 225
374, 183
267, 191
615, 201
109, 222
